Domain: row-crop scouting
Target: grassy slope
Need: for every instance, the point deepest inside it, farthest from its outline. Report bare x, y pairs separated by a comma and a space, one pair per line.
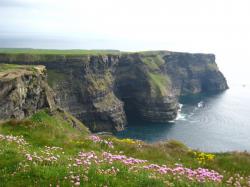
44, 129
160, 83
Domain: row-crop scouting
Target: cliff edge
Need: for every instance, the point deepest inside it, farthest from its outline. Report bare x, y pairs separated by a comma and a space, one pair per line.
101, 89
23, 91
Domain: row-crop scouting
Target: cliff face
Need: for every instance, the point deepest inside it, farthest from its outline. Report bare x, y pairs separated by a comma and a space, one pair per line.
194, 73
84, 87
23, 91
100, 89
145, 88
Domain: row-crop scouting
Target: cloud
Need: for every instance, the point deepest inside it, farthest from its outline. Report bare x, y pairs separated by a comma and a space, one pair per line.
14, 3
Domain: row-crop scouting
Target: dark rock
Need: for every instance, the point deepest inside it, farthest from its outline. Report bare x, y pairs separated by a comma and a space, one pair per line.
98, 89
194, 73
23, 91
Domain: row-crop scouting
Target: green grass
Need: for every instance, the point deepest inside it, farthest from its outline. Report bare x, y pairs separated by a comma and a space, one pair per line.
161, 84
43, 129
99, 83
14, 67
56, 51
12, 55
55, 129
153, 62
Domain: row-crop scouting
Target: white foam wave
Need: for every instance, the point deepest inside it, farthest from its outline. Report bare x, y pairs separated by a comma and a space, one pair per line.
180, 115
200, 104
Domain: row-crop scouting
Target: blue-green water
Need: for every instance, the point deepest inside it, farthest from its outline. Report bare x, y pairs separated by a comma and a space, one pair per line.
218, 122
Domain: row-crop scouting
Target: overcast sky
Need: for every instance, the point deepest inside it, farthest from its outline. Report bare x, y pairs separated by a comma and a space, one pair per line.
211, 26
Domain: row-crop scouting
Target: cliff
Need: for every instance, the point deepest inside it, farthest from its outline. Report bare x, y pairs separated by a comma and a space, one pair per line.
23, 91
100, 89
194, 73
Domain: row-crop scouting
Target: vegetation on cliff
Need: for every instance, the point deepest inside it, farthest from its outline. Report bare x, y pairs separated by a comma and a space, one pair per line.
46, 150
160, 84
16, 51
96, 85
8, 68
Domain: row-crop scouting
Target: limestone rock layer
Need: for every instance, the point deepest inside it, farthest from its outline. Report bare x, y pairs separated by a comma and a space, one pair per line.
23, 91
100, 90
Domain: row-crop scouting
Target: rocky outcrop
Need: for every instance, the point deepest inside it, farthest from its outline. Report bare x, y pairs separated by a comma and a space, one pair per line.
23, 91
101, 90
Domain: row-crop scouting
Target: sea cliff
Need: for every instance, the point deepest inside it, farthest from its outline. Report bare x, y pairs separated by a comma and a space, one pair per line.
100, 89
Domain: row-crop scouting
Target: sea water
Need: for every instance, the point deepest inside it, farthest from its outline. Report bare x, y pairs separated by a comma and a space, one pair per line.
212, 122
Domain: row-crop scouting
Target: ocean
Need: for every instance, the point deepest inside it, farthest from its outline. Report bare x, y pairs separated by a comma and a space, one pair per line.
211, 122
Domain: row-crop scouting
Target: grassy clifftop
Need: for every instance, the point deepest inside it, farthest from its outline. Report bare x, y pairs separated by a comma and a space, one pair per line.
13, 68
12, 55
55, 51
45, 150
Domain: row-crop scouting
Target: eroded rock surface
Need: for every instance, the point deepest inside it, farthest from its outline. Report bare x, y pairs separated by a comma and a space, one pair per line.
100, 89
23, 91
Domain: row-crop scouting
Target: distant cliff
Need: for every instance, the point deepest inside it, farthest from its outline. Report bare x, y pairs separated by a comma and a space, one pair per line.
99, 89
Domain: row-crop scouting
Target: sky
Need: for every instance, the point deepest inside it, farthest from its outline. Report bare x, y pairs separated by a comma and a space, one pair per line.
221, 27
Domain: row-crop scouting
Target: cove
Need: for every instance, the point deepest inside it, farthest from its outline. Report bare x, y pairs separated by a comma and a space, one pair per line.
210, 122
